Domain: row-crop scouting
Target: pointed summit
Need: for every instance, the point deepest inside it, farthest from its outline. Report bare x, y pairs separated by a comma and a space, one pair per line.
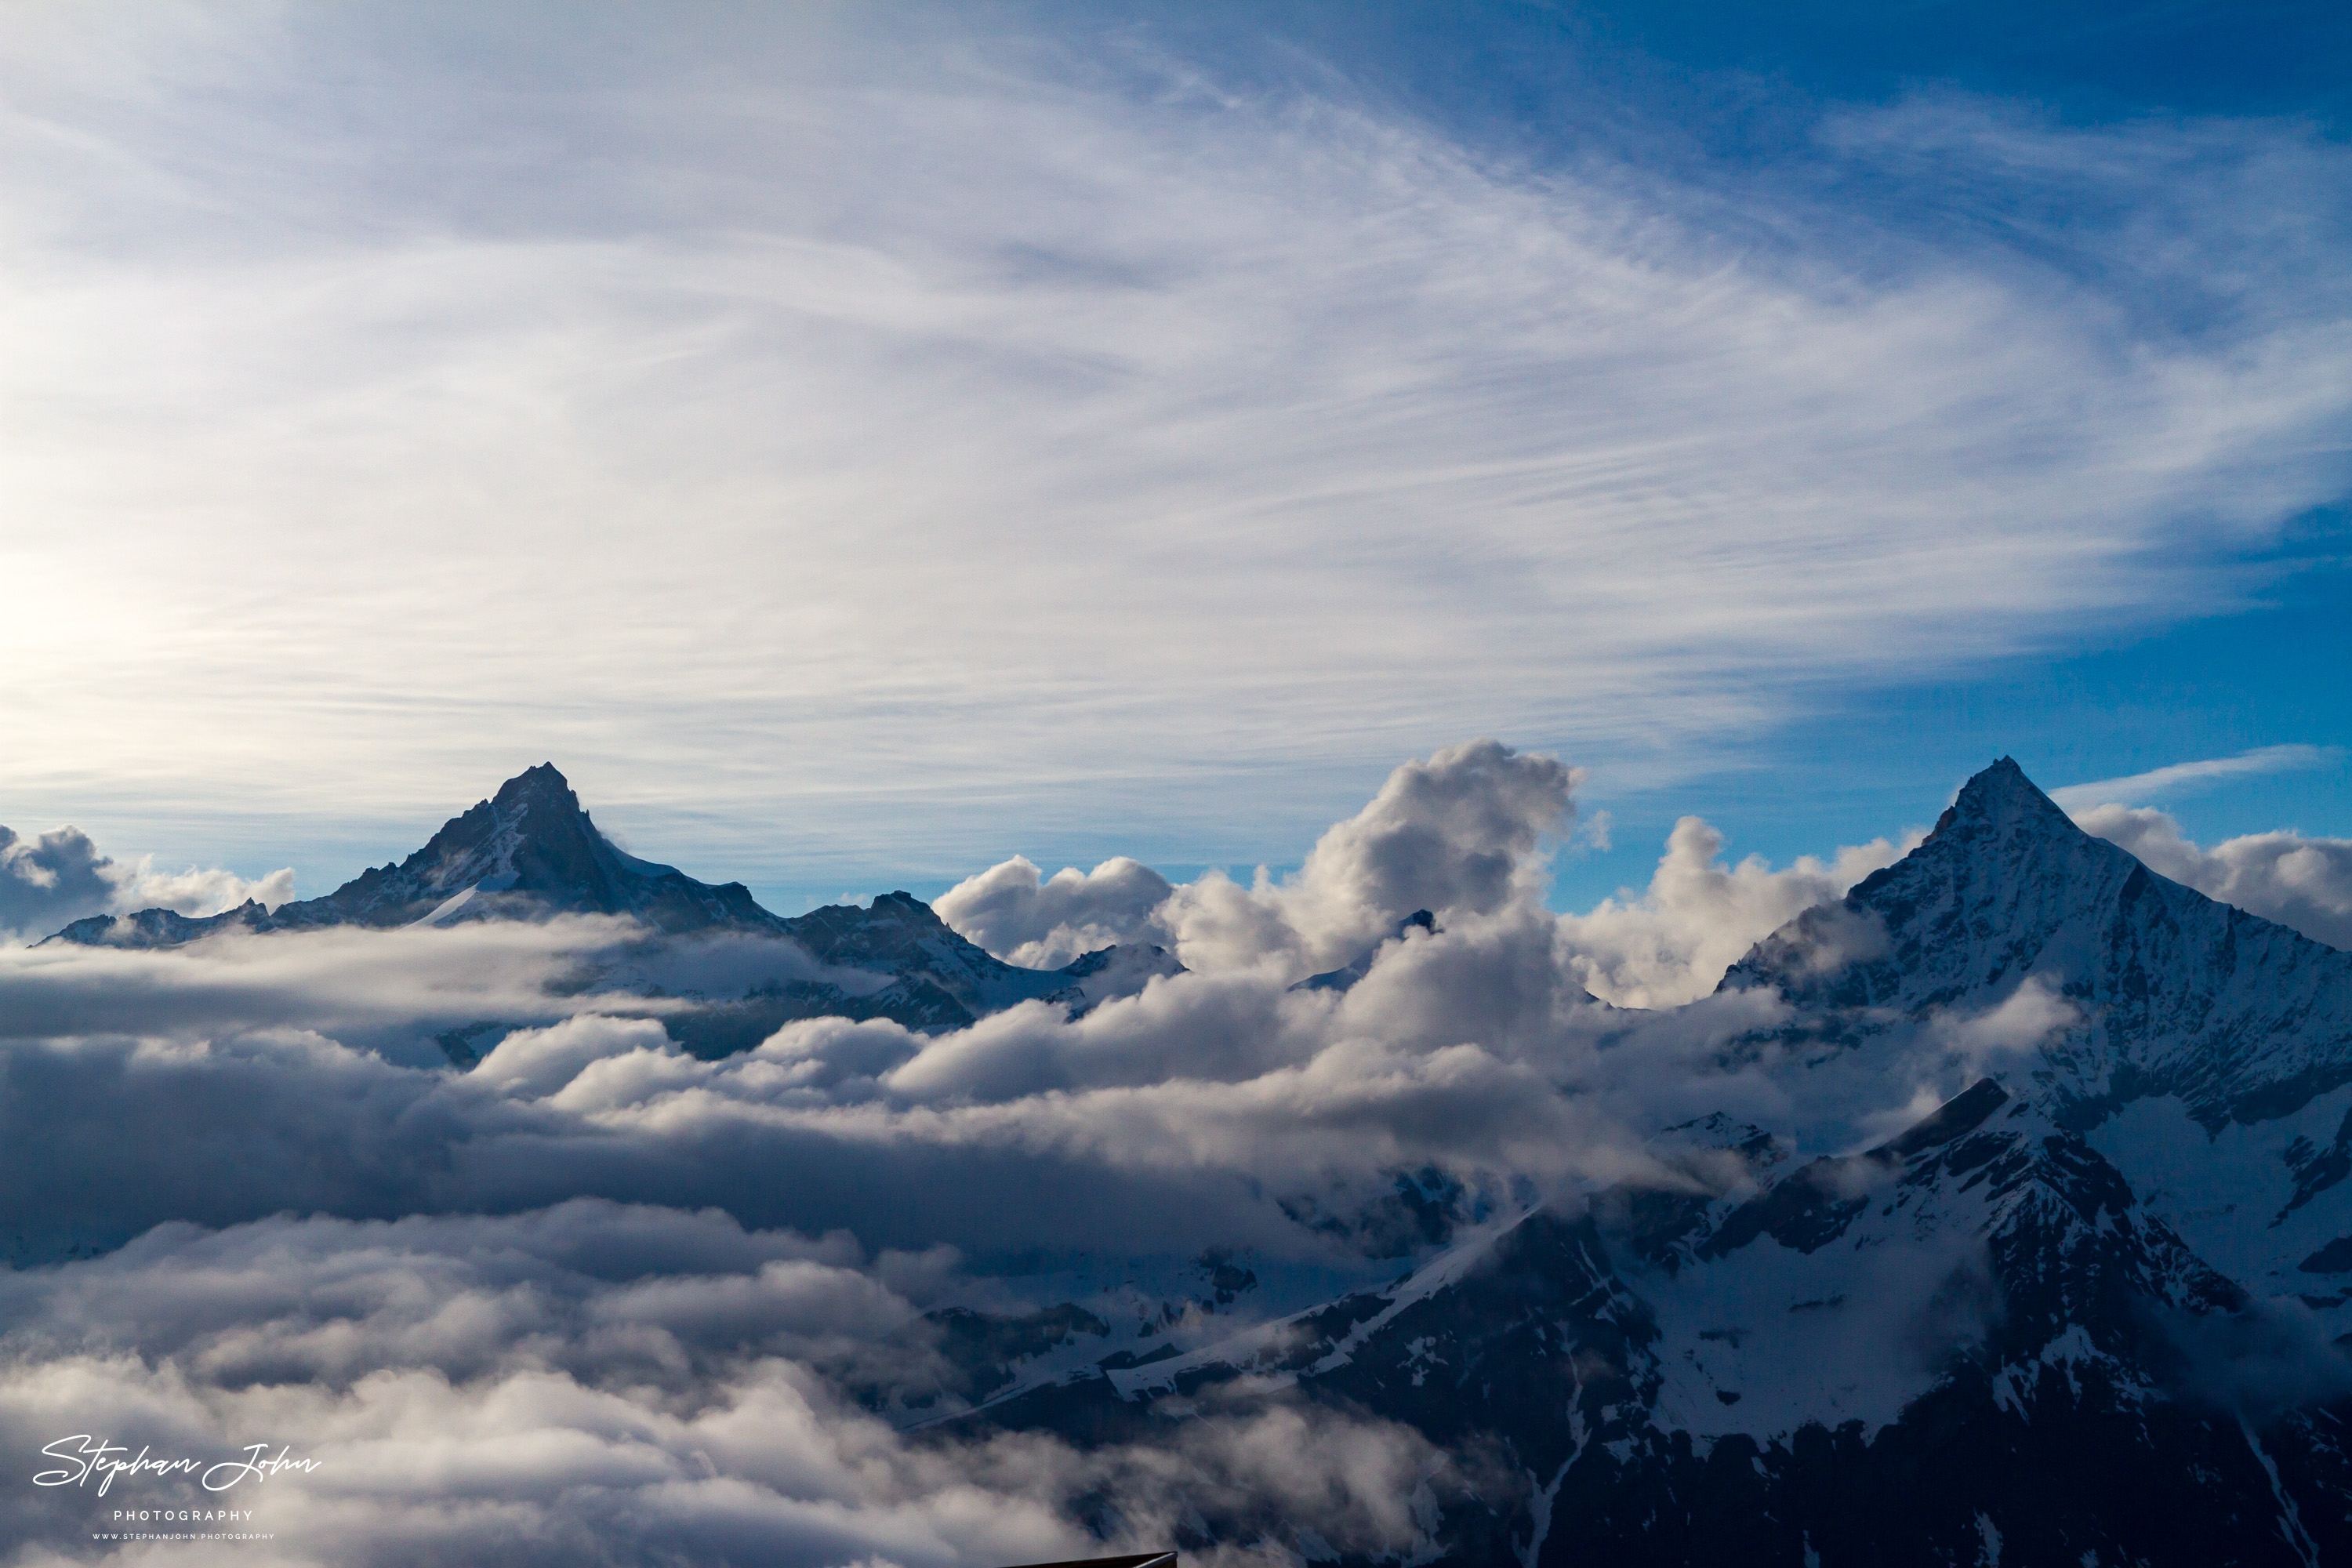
541, 784
2152, 988
527, 852
531, 851
2001, 799
2002, 872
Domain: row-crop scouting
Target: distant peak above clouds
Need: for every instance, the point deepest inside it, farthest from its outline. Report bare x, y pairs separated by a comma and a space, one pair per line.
2010, 929
529, 852
50, 879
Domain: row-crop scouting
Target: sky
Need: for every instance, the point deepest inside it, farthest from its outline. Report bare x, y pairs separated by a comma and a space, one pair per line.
861, 444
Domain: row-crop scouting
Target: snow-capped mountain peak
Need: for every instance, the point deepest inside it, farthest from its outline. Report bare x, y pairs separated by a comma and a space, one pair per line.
2150, 988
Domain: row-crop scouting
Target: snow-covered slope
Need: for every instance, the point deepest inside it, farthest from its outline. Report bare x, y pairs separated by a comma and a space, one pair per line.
2163, 990
2089, 1310
1971, 1334
2203, 1052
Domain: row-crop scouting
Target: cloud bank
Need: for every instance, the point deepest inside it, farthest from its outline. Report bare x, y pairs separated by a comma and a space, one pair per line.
2298, 882
49, 881
597, 1299
603, 1385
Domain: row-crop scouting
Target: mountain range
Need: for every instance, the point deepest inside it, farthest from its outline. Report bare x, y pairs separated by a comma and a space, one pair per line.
531, 852
2091, 1308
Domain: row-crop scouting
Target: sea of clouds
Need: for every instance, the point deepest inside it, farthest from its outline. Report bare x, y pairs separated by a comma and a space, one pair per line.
599, 1300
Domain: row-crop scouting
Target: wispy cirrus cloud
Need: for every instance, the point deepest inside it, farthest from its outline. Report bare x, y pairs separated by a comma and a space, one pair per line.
2181, 777
889, 435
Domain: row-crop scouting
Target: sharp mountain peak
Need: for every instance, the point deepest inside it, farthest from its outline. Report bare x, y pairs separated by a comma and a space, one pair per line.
530, 852
543, 784
2001, 796
2151, 987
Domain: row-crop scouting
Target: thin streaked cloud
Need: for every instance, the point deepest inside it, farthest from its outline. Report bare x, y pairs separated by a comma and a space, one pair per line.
2181, 777
815, 439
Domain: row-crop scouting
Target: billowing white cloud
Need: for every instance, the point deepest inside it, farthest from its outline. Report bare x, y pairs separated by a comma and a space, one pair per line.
2298, 882
49, 881
198, 890
1457, 834
46, 881
1673, 941
1176, 1119
1044, 923
603, 1385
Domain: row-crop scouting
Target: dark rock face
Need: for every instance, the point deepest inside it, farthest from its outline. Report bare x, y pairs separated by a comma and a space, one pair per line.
1347, 974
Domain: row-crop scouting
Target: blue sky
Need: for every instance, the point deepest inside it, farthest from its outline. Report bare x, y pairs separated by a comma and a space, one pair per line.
2112, 707
1747, 87
860, 444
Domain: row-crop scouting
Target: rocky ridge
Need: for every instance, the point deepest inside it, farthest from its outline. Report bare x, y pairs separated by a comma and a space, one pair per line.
531, 852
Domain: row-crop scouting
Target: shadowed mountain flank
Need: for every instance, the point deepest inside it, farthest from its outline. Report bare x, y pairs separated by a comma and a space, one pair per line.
530, 852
